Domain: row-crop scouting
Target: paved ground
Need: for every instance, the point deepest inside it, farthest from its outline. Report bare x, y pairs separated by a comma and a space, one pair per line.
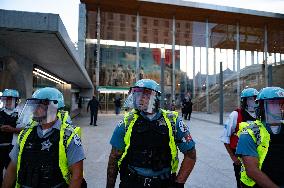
213, 168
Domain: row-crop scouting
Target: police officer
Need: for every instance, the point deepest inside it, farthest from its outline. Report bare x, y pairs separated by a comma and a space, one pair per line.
49, 153
261, 143
243, 114
144, 144
8, 122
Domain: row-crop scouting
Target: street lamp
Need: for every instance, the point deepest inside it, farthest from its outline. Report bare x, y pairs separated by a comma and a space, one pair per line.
162, 83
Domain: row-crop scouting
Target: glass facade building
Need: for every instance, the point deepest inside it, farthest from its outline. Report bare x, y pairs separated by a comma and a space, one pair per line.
123, 44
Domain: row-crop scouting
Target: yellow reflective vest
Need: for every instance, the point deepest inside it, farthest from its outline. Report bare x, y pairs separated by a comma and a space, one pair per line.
261, 138
63, 144
170, 118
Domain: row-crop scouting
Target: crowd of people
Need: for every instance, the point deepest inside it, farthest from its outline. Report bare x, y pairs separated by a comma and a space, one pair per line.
48, 152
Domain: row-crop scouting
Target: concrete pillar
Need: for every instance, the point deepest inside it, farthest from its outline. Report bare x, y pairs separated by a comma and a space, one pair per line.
138, 66
98, 48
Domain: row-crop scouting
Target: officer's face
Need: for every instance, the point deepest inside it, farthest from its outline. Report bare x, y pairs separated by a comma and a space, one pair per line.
145, 97
274, 110
9, 102
40, 111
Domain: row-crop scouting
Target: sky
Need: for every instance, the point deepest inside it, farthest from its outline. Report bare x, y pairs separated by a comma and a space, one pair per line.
69, 9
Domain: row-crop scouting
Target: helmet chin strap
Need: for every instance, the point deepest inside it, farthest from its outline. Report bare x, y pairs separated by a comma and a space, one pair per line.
252, 114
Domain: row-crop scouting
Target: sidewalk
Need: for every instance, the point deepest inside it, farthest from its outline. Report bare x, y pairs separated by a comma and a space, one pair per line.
210, 118
213, 168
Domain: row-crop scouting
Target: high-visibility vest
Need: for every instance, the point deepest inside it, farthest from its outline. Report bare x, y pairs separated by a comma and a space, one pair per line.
170, 118
261, 138
66, 135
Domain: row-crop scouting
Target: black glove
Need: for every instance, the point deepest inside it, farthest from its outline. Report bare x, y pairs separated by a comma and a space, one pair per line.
179, 185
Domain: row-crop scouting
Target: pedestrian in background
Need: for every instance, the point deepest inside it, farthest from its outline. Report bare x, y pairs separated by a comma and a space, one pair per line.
261, 143
243, 114
144, 144
94, 106
8, 126
48, 153
117, 104
187, 107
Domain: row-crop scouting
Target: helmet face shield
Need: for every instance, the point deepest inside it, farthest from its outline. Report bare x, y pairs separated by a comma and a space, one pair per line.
41, 111
8, 102
274, 111
251, 104
142, 99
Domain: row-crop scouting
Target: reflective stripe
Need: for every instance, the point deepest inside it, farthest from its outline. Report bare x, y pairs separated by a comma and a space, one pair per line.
170, 118
261, 138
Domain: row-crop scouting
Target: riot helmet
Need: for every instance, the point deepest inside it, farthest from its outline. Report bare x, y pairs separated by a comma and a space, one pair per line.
144, 96
9, 99
43, 106
248, 97
270, 107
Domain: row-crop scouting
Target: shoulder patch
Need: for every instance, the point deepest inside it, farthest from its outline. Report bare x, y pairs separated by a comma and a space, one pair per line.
77, 140
187, 138
120, 123
183, 127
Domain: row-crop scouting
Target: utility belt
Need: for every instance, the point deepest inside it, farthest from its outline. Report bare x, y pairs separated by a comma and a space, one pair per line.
164, 179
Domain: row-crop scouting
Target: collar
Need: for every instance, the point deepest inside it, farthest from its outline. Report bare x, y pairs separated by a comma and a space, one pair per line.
154, 117
56, 125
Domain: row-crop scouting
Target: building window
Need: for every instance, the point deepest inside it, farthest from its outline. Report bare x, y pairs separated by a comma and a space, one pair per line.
122, 17
122, 27
110, 24
155, 31
167, 24
187, 25
133, 19
134, 37
145, 30
186, 35
144, 38
110, 16
178, 25
144, 21
156, 23
155, 40
109, 36
166, 33
122, 36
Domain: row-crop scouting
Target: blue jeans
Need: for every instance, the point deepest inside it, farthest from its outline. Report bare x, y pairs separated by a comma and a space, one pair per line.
117, 110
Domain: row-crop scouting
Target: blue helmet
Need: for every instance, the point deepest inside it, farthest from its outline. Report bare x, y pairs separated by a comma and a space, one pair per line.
249, 92
49, 93
149, 84
10, 93
270, 93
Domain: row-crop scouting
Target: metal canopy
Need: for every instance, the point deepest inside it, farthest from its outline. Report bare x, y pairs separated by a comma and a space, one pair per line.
43, 40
